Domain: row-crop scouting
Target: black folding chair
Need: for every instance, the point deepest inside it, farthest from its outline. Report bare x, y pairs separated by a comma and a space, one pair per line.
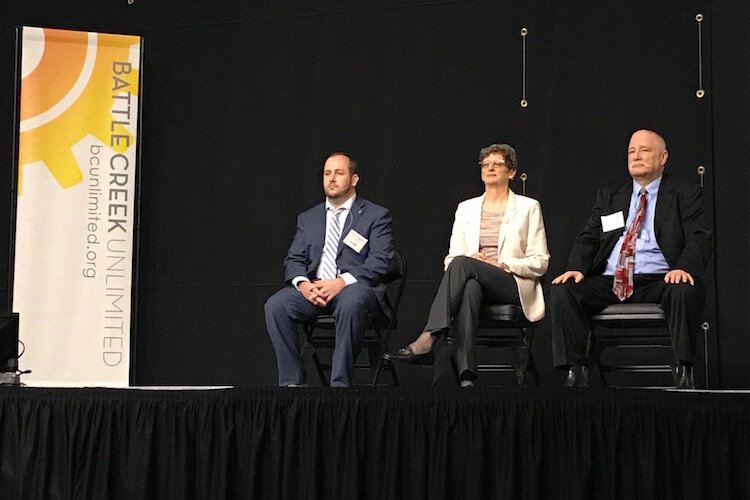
320, 332
503, 326
629, 326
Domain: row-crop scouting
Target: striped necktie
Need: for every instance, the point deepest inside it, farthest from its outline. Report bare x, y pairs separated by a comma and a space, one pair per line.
328, 269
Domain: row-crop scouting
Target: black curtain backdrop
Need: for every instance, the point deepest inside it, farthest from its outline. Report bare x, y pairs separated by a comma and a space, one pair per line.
243, 101
373, 443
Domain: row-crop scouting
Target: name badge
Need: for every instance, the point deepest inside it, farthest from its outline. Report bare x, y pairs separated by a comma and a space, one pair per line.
355, 241
612, 221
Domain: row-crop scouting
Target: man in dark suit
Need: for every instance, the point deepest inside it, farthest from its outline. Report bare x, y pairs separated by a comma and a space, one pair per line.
336, 263
647, 240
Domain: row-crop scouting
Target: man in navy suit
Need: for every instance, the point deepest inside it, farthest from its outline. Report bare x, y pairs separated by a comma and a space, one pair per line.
671, 253
338, 258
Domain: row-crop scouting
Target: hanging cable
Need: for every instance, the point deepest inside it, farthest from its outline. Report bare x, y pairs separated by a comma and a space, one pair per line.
524, 102
700, 92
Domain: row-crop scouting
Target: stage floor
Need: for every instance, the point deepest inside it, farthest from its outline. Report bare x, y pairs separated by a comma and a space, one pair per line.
383, 442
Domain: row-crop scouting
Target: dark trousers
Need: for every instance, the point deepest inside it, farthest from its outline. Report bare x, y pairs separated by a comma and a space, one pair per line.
466, 285
287, 307
573, 303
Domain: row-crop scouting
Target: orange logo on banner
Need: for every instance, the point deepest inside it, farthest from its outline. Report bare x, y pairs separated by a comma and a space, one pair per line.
69, 94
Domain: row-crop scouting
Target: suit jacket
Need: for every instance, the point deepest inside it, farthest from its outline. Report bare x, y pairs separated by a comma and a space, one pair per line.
368, 266
522, 245
682, 231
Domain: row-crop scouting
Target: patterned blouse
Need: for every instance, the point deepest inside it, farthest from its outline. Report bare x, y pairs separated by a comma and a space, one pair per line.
489, 232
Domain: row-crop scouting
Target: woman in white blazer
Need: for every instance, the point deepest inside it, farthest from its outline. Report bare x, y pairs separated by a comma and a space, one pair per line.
498, 252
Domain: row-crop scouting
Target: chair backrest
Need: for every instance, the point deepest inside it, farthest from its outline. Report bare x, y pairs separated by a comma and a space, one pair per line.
397, 267
395, 278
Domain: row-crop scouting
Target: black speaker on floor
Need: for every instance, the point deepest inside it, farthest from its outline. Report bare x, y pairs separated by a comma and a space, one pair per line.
8, 342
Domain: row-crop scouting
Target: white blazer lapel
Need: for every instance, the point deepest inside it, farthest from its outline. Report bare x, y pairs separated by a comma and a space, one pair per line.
472, 229
510, 212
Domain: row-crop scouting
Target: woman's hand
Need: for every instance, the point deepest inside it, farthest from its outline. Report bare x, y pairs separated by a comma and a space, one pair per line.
480, 256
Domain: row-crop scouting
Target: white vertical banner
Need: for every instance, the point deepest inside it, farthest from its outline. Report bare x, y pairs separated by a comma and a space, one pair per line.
76, 205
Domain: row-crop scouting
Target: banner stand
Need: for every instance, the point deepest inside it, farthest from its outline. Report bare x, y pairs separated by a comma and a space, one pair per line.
9, 332
76, 175
132, 380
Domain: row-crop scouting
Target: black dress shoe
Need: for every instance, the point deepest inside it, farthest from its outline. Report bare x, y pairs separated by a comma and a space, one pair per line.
683, 377
406, 355
578, 376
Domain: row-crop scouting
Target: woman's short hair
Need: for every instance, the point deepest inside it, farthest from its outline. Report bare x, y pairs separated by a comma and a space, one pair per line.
509, 154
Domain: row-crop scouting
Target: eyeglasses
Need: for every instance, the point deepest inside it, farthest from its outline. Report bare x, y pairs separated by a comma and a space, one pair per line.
493, 164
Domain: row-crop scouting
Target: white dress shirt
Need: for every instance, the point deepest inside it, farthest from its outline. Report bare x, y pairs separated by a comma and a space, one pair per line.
343, 217
648, 256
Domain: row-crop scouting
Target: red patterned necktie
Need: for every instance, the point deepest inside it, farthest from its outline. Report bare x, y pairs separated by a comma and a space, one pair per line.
623, 284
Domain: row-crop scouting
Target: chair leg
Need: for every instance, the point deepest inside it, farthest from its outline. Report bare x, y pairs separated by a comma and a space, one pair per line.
705, 352
319, 368
382, 363
385, 364
378, 369
436, 368
602, 375
384, 338
394, 375
593, 357
524, 357
374, 355
532, 367
454, 369
519, 363
522, 366
376, 375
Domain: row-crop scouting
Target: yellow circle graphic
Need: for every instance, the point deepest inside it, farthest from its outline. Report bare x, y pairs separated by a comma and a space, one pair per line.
69, 94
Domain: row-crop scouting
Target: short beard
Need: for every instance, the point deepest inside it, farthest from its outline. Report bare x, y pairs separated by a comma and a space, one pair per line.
341, 195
